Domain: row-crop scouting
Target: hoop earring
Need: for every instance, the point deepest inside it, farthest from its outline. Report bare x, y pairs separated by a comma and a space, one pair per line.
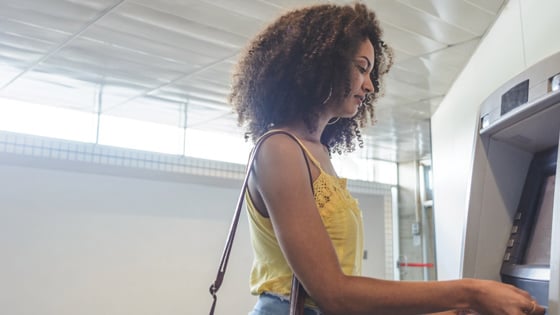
332, 122
328, 96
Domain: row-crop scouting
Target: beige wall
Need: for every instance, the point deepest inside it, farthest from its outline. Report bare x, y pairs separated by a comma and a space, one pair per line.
525, 32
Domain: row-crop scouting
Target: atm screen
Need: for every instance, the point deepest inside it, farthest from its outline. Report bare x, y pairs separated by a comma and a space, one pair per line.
526, 261
538, 248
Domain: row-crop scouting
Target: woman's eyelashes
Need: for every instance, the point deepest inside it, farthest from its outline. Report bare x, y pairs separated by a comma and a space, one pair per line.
361, 68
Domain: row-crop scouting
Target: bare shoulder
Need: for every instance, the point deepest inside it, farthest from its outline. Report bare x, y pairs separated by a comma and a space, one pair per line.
280, 146
281, 158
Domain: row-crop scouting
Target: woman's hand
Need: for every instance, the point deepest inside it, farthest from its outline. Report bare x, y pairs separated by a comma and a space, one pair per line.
504, 299
456, 312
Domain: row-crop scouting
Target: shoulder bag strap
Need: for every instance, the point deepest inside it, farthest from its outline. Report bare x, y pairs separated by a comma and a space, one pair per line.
297, 295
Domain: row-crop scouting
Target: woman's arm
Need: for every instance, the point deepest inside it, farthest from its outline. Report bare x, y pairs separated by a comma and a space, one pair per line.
456, 312
283, 183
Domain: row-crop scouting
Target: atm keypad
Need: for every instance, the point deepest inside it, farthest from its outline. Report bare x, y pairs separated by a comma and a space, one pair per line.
514, 229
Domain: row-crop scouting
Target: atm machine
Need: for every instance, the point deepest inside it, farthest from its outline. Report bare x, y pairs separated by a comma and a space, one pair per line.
512, 231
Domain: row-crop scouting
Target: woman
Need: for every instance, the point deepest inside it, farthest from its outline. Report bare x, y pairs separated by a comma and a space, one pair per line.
314, 74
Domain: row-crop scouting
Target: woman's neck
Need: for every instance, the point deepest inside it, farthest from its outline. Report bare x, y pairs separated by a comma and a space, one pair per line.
301, 131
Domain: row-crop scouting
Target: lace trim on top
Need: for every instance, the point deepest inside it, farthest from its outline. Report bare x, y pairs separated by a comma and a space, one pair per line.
332, 196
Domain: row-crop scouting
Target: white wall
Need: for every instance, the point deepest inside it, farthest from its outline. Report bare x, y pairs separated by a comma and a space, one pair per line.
79, 243
372, 207
525, 33
75, 242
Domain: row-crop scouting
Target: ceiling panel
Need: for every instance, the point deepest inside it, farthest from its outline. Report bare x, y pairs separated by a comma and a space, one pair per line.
170, 61
407, 41
422, 23
173, 28
65, 17
437, 84
492, 6
215, 119
168, 112
52, 90
24, 37
468, 15
106, 60
453, 56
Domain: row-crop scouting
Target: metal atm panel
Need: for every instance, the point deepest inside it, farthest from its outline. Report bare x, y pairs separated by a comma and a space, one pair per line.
512, 231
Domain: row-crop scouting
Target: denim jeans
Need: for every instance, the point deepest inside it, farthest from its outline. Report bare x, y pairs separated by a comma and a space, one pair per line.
270, 304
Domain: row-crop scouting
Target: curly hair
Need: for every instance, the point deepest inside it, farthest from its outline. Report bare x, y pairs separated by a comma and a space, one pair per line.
300, 60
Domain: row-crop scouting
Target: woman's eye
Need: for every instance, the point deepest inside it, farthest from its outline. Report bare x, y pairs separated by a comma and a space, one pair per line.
361, 69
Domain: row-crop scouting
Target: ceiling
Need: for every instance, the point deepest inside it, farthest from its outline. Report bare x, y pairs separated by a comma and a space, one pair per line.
164, 60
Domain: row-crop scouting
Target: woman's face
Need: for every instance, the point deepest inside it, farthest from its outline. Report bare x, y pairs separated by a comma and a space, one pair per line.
360, 80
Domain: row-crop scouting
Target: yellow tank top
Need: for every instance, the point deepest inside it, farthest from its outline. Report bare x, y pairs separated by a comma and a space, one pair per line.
342, 219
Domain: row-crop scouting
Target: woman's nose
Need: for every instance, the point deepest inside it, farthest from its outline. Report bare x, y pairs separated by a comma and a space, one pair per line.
367, 86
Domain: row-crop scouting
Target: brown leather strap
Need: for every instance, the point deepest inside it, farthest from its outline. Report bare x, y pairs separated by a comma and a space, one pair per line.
297, 295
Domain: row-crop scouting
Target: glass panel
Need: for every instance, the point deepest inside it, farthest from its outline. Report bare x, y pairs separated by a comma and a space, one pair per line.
218, 146
351, 166
140, 135
47, 121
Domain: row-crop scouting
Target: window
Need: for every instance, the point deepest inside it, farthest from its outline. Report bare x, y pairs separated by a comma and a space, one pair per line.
75, 125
